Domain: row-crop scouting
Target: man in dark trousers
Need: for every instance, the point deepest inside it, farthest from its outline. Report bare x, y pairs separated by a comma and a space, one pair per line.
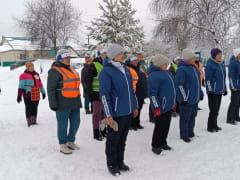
120, 104
234, 79
92, 82
88, 61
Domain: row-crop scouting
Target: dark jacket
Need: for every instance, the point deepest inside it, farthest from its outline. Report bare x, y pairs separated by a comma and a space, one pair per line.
234, 73
116, 90
188, 83
141, 89
161, 89
91, 73
215, 77
84, 79
55, 97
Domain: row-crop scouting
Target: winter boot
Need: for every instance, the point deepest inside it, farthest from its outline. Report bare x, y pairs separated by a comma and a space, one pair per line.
34, 120
87, 111
64, 149
114, 171
104, 133
29, 123
124, 167
156, 150
72, 146
97, 135
166, 147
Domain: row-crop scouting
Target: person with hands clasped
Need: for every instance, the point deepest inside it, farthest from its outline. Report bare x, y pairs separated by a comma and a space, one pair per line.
215, 77
162, 94
64, 98
30, 86
189, 93
234, 82
119, 105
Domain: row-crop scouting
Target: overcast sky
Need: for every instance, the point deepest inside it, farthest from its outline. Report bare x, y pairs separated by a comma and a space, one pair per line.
89, 8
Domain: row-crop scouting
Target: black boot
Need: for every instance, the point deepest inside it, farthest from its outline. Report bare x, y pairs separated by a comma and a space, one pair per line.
156, 150
34, 120
97, 135
124, 167
87, 111
104, 133
29, 123
114, 171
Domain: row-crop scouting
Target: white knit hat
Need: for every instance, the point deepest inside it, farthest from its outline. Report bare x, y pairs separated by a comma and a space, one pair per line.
159, 60
188, 54
236, 52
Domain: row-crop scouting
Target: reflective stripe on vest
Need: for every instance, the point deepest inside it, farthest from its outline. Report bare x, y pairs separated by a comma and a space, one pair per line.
134, 78
95, 83
71, 82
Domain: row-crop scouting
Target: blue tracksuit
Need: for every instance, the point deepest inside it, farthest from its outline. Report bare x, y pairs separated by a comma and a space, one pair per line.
215, 77
161, 89
234, 73
119, 102
189, 93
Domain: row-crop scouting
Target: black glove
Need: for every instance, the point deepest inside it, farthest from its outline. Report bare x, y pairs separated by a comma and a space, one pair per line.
201, 98
54, 108
19, 99
225, 93
43, 96
184, 103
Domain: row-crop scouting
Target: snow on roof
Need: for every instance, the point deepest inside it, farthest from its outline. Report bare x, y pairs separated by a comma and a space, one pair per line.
10, 43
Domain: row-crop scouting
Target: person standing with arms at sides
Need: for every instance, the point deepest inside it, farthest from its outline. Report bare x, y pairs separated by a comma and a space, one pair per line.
64, 98
162, 94
92, 82
140, 88
119, 104
189, 93
234, 81
30, 86
88, 61
215, 76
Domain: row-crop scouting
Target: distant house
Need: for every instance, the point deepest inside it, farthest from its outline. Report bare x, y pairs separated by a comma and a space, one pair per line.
13, 49
74, 54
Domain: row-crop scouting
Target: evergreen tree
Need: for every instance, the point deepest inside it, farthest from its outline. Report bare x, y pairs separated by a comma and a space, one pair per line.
117, 25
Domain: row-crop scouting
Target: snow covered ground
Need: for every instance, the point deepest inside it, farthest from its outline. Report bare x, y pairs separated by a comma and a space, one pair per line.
33, 153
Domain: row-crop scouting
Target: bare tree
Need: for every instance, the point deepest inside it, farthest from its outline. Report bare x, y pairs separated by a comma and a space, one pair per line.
185, 21
53, 22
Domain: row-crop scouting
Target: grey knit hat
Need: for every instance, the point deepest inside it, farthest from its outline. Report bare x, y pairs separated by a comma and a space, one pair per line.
188, 54
113, 50
159, 60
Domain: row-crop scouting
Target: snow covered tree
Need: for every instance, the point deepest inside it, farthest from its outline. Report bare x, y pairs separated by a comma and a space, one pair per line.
53, 22
203, 21
117, 25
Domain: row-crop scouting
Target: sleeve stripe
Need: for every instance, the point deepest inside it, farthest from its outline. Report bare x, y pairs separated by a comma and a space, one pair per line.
209, 86
154, 101
183, 93
231, 83
105, 105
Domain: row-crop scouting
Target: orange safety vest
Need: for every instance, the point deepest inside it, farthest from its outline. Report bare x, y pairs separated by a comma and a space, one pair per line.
71, 82
134, 78
200, 69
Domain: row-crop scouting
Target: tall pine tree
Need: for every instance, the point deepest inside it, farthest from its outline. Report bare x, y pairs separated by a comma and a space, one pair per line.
117, 25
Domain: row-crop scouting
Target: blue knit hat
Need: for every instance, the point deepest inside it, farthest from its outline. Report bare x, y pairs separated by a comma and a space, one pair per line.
215, 52
62, 53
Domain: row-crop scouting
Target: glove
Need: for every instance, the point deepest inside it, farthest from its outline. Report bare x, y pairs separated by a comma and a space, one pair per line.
54, 108
225, 93
43, 96
184, 103
19, 99
175, 107
201, 98
157, 112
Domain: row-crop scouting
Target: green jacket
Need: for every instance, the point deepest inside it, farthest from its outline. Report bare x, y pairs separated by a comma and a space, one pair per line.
55, 97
